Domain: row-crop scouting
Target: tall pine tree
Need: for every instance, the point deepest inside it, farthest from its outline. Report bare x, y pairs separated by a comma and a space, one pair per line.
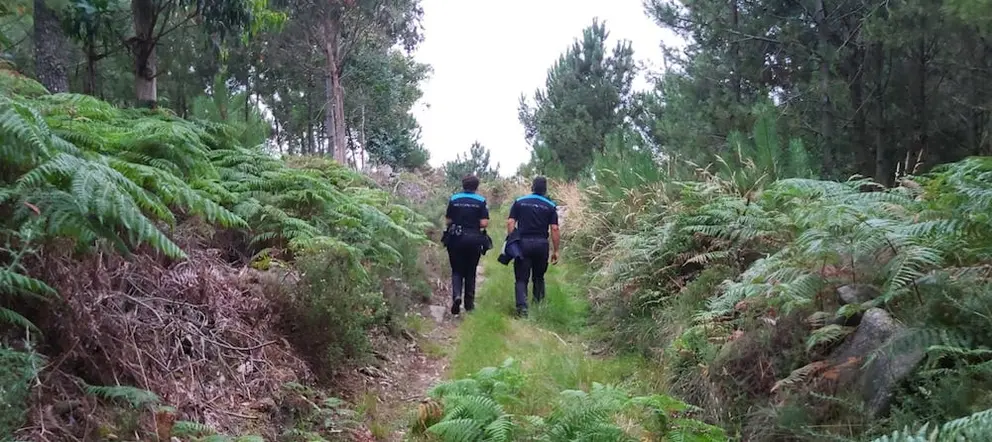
587, 95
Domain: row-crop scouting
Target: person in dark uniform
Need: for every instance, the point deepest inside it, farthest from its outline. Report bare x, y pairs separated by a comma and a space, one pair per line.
533, 217
467, 218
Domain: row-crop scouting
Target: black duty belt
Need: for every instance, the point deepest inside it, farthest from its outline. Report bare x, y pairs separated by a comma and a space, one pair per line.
458, 229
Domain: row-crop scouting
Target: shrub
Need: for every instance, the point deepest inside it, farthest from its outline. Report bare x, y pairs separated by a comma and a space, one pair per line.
331, 311
18, 370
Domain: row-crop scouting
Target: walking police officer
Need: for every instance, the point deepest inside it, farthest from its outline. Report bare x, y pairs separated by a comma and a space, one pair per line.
465, 237
531, 218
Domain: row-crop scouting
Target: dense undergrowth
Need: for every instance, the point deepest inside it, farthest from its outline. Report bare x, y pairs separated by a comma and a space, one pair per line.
143, 250
790, 308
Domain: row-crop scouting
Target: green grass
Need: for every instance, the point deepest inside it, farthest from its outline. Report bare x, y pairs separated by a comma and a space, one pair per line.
548, 344
416, 323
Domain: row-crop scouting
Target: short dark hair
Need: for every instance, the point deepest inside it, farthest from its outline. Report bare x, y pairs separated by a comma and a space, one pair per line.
470, 183
540, 185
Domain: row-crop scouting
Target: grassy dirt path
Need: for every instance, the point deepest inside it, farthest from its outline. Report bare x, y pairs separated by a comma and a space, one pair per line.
551, 345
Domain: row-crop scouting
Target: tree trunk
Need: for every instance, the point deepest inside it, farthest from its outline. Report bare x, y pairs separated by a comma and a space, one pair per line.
826, 115
310, 131
922, 129
738, 68
145, 63
884, 163
862, 148
335, 94
89, 85
221, 98
248, 100
361, 138
182, 105
50, 49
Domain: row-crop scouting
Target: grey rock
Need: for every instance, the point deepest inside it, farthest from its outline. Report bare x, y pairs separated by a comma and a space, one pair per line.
438, 312
857, 293
878, 335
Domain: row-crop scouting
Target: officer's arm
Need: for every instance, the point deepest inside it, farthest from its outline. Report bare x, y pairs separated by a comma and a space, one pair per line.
448, 214
555, 237
484, 217
555, 234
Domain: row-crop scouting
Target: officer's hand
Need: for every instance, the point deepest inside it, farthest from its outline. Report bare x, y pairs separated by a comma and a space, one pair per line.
554, 258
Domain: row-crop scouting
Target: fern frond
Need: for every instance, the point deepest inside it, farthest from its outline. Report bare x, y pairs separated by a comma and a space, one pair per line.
458, 430
137, 397
827, 335
189, 429
974, 427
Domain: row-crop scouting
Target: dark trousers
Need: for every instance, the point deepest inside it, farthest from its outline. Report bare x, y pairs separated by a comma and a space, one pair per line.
532, 265
464, 259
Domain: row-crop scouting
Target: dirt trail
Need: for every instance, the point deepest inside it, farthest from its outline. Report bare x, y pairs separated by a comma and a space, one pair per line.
415, 365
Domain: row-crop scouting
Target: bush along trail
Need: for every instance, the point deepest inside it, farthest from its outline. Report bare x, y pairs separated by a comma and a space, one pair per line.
534, 379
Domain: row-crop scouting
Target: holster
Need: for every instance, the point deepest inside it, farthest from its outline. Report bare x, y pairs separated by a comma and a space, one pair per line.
450, 233
487, 242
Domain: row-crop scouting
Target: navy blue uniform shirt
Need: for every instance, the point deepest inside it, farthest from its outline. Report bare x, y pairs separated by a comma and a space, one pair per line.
534, 214
466, 209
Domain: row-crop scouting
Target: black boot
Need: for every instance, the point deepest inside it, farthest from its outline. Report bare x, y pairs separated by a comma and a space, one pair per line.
457, 286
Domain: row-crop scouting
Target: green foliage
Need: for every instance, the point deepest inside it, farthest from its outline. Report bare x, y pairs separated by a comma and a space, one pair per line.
717, 270
94, 22
586, 96
15, 83
87, 171
313, 417
237, 111
967, 428
135, 397
839, 71
736, 264
751, 164
475, 408
476, 162
329, 317
81, 171
384, 86
14, 284
18, 370
197, 432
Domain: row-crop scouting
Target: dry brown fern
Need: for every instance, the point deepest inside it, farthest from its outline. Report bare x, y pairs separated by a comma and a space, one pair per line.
429, 412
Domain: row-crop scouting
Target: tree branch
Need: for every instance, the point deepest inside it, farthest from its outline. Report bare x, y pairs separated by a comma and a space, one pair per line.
163, 32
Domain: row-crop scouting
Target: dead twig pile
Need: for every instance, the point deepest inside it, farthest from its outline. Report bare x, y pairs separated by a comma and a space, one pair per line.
199, 333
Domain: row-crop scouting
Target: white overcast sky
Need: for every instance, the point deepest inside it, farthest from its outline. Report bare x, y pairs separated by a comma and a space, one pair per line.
486, 53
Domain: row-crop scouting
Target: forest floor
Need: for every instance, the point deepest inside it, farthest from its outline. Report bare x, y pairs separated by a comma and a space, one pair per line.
552, 346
